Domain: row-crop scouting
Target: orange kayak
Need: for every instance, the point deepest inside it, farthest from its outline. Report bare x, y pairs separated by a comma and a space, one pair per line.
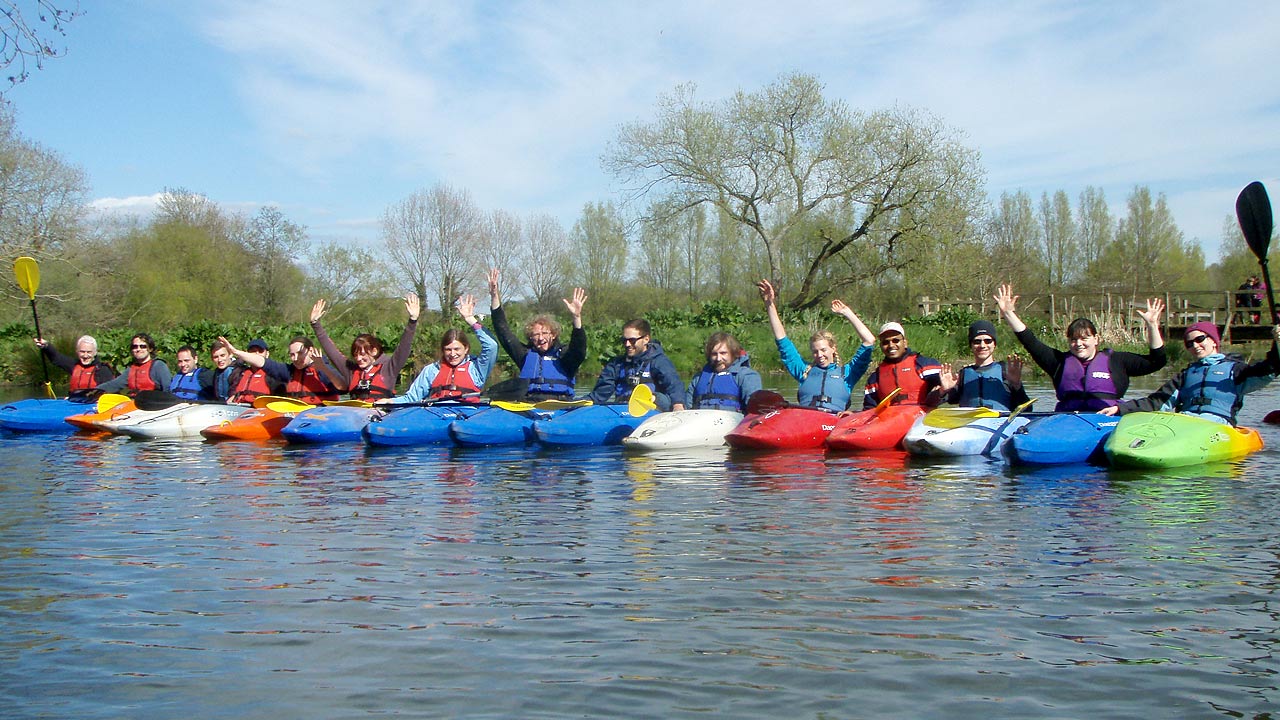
256, 424
874, 429
92, 421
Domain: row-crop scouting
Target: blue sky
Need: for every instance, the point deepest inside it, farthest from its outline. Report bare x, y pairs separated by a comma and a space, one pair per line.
335, 110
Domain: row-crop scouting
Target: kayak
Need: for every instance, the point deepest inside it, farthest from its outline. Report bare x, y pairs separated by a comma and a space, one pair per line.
92, 421
1165, 440
418, 425
40, 415
335, 423
937, 435
1061, 438
254, 424
874, 429
1272, 418
590, 425
683, 429
183, 421
498, 426
786, 428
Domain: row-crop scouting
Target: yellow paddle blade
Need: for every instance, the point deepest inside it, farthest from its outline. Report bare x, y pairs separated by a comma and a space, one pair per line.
110, 400
887, 399
641, 402
512, 405
1018, 410
264, 400
348, 403
957, 417
561, 404
28, 273
288, 405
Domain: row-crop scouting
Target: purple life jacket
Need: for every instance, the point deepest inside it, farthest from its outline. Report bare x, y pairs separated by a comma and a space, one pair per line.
1089, 387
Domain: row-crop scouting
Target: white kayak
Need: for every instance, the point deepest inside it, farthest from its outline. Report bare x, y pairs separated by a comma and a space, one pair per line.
940, 435
179, 422
683, 429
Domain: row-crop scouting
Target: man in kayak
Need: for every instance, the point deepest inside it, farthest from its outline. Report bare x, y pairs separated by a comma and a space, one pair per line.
145, 371
642, 362
1087, 378
727, 380
1213, 386
368, 374
987, 382
191, 380
549, 368
87, 371
457, 375
824, 383
311, 379
260, 375
224, 373
915, 376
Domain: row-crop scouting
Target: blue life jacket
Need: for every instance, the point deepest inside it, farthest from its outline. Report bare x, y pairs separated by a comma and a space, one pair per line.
824, 388
985, 387
186, 385
1212, 389
544, 373
717, 391
633, 374
1086, 387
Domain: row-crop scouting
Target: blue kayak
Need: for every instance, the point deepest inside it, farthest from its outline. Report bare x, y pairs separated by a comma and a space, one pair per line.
418, 425
41, 415
591, 425
496, 426
1061, 438
337, 423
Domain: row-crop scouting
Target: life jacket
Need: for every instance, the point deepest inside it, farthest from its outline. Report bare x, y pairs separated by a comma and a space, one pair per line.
544, 373
369, 384
1089, 387
985, 389
186, 385
717, 391
453, 381
824, 388
140, 377
1212, 389
222, 382
253, 382
307, 385
84, 377
905, 374
633, 374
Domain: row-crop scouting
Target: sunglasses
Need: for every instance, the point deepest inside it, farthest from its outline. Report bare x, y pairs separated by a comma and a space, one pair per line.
1195, 340
139, 347
982, 341
631, 341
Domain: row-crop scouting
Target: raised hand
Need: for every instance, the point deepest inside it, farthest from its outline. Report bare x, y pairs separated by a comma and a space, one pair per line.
838, 307
947, 378
412, 306
1155, 306
466, 305
575, 305
1013, 371
318, 310
767, 292
1006, 300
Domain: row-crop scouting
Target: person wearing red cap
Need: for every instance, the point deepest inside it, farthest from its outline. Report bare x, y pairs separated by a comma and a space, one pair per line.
1086, 377
1213, 386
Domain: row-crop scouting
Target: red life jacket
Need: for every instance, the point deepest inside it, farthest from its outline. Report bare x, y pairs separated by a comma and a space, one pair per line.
903, 374
253, 382
453, 382
140, 377
369, 384
84, 377
307, 385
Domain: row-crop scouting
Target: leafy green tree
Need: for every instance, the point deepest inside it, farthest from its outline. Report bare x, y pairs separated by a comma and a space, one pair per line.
1014, 242
1149, 253
273, 241
773, 160
1059, 242
598, 254
1095, 228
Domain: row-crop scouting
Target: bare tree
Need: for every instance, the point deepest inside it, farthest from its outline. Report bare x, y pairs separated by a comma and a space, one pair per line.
23, 41
343, 272
544, 251
41, 196
502, 245
434, 238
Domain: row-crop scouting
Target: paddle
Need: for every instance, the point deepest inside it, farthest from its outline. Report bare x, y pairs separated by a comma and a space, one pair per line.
880, 406
285, 406
542, 405
950, 418
266, 400
110, 400
347, 403
513, 389
1253, 210
641, 401
28, 273
995, 436
765, 401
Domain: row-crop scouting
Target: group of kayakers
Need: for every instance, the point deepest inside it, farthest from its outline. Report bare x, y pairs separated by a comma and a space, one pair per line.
1086, 376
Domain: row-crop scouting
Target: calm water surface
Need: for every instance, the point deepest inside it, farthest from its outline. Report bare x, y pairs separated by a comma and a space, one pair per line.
242, 580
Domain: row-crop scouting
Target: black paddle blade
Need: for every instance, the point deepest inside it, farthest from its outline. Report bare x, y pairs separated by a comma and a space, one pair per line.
1253, 210
764, 401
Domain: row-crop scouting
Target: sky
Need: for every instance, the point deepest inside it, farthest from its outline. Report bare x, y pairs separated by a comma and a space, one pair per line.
334, 111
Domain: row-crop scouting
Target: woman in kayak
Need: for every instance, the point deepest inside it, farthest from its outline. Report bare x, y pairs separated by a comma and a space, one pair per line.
1213, 386
87, 371
987, 382
1086, 377
457, 375
824, 383
145, 371
727, 380
549, 368
368, 373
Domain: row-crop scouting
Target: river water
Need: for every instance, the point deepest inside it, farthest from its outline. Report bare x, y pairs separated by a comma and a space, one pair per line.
241, 580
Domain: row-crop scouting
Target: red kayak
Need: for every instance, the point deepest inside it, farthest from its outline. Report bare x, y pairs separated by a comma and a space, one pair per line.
790, 427
1272, 418
874, 429
92, 421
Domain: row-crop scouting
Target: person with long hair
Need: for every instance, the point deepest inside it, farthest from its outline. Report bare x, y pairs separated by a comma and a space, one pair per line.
456, 374
369, 374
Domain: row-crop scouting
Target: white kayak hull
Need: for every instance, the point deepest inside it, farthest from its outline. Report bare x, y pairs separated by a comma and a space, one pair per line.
981, 436
683, 429
180, 422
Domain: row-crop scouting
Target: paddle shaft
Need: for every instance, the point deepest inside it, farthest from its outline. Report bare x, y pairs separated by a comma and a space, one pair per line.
1253, 210
44, 364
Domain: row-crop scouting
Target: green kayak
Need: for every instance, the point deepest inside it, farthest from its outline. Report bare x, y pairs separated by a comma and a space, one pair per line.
1163, 440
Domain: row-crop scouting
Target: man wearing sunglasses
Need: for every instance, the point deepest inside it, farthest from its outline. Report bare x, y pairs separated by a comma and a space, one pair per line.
144, 372
1213, 386
642, 362
915, 376
987, 382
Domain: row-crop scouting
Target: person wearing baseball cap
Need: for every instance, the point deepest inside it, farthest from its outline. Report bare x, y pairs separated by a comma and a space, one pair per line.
260, 375
918, 377
1213, 386
987, 382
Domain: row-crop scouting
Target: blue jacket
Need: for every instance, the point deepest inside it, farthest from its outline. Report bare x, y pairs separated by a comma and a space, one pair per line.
728, 390
830, 387
1212, 387
479, 370
986, 387
652, 367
